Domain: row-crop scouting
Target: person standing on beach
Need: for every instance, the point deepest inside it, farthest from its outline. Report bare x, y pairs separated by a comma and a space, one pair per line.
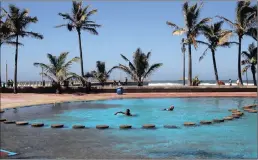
230, 82
126, 80
237, 82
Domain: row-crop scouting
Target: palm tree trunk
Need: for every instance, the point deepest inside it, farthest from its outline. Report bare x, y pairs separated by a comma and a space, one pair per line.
0, 56
58, 88
189, 65
246, 77
15, 65
254, 74
80, 45
239, 61
215, 67
184, 69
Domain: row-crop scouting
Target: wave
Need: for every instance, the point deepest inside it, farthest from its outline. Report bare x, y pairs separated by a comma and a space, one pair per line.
201, 84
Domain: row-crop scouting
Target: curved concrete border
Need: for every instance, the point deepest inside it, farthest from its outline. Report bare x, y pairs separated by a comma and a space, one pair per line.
205, 122
57, 126
148, 126
171, 126
22, 123
218, 120
102, 126
125, 126
228, 118
37, 124
9, 122
189, 124
236, 116
2, 120
252, 111
78, 126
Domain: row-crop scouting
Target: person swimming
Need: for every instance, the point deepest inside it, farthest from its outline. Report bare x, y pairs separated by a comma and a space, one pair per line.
127, 112
169, 109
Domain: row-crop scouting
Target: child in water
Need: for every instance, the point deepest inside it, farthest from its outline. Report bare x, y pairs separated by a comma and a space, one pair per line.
127, 112
169, 109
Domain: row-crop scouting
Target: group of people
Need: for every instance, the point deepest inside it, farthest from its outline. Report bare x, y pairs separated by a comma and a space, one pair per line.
9, 83
230, 82
115, 83
128, 112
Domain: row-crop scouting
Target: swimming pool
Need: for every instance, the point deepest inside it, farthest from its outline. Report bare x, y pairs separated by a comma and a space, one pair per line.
231, 139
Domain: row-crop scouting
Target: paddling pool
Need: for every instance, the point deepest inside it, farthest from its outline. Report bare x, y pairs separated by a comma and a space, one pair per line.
230, 139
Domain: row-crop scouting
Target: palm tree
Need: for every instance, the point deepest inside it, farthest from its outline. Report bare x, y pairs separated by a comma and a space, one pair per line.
80, 20
216, 37
191, 30
100, 74
183, 49
251, 60
139, 69
244, 71
58, 69
244, 10
19, 21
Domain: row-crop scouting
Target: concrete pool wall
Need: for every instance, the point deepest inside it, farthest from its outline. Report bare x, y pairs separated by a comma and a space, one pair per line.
136, 89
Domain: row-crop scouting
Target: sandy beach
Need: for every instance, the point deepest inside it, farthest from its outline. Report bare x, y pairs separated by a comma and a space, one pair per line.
27, 99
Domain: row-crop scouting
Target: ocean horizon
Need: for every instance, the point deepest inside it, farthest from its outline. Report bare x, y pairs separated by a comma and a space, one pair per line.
149, 83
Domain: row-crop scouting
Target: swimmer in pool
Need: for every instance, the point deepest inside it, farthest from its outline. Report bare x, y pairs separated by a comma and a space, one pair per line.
127, 112
169, 109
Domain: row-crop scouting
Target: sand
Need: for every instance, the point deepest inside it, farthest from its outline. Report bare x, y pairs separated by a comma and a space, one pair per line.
9, 100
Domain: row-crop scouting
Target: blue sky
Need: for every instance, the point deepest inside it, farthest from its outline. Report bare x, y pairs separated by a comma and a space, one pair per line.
126, 26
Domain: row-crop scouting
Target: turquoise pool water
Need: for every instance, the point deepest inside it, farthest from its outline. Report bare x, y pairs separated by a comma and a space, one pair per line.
231, 139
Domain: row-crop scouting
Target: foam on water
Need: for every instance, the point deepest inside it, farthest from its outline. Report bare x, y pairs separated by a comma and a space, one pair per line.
231, 139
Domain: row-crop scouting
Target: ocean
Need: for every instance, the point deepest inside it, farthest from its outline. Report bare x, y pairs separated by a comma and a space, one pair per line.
203, 82
149, 83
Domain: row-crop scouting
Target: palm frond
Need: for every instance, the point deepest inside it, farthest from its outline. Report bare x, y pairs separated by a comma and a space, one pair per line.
34, 35
252, 32
204, 43
246, 54
52, 59
173, 25
231, 24
127, 71
228, 44
179, 31
66, 16
61, 25
152, 69
204, 54
224, 37
91, 12
50, 77
148, 55
69, 63
44, 66
90, 30
11, 43
124, 57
